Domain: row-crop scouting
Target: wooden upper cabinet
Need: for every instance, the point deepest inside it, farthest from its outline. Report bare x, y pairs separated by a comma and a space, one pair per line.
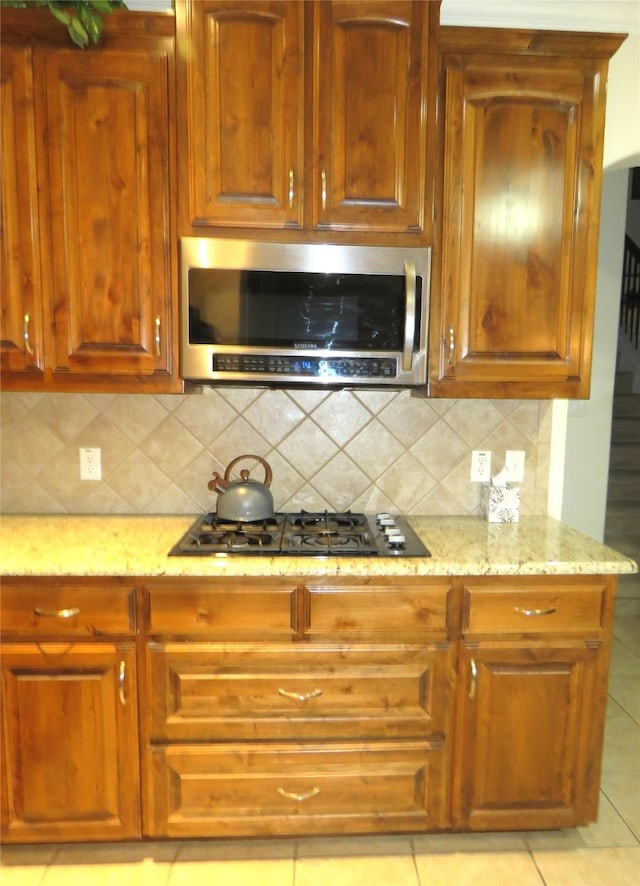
241, 76
371, 107
90, 290
310, 117
21, 347
520, 165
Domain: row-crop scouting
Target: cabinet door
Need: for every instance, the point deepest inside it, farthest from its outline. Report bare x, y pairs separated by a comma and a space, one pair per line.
529, 738
515, 276
69, 743
104, 118
21, 308
241, 84
371, 111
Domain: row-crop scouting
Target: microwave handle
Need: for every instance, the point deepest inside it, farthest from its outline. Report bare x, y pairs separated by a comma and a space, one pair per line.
409, 314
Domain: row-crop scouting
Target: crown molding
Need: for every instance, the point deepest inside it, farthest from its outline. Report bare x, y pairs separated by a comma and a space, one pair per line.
609, 16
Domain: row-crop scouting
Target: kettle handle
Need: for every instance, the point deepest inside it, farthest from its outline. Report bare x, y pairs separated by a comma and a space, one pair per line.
267, 469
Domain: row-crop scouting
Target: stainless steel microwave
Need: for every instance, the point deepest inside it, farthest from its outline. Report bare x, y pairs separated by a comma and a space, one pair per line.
318, 315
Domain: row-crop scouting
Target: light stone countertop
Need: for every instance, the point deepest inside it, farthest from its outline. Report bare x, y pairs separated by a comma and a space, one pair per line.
78, 545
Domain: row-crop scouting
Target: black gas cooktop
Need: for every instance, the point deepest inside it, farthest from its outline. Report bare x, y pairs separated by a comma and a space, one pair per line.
320, 534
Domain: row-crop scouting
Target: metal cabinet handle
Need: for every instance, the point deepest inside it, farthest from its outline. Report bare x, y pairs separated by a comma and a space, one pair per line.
304, 696
323, 178
299, 797
56, 613
158, 340
27, 341
292, 191
474, 678
530, 612
452, 345
121, 678
409, 314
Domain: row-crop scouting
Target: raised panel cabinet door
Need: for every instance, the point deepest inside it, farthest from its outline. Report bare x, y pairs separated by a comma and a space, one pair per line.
371, 111
528, 742
241, 82
70, 742
106, 114
20, 305
514, 280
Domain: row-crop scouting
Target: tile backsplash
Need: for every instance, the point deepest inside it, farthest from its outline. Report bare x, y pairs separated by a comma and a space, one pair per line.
365, 450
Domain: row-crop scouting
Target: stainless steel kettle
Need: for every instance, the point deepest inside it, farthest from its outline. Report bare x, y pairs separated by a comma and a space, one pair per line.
243, 500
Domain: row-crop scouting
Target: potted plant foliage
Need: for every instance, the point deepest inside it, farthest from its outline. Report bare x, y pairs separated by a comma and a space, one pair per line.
81, 18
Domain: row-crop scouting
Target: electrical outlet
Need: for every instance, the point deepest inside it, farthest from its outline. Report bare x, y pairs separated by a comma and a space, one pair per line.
514, 463
90, 463
480, 466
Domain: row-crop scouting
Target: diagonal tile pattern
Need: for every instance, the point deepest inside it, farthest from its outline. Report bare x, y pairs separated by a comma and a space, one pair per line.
365, 450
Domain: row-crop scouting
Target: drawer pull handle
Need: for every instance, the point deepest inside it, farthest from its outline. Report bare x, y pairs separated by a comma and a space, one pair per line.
56, 613
122, 675
292, 189
474, 678
530, 612
300, 696
323, 188
299, 797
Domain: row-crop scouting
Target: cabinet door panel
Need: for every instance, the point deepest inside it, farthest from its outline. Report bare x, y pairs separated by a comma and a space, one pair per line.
244, 88
530, 743
109, 219
70, 742
521, 165
371, 109
21, 307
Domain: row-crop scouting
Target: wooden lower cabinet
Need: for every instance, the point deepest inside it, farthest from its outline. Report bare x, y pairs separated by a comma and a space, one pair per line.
204, 707
530, 736
69, 742
265, 789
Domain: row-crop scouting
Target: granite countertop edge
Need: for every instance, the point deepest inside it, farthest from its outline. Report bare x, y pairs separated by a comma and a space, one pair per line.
138, 546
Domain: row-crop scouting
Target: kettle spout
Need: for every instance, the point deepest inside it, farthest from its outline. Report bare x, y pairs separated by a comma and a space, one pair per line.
218, 484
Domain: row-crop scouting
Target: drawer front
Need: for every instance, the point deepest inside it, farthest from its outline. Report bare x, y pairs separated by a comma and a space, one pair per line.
533, 608
66, 610
212, 691
295, 789
226, 609
405, 610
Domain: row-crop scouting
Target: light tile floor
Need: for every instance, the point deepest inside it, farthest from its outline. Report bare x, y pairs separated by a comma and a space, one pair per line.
604, 854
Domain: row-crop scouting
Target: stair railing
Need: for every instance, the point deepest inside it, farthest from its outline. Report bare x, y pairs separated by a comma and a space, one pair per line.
630, 298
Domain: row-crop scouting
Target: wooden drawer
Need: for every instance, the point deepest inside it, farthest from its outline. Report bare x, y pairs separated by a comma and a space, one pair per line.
393, 609
50, 608
216, 692
564, 605
211, 790
228, 609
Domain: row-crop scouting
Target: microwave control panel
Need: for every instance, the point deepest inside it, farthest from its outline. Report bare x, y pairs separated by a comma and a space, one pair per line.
305, 366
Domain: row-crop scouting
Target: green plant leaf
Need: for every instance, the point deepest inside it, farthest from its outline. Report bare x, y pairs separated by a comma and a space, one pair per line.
59, 15
101, 5
78, 33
